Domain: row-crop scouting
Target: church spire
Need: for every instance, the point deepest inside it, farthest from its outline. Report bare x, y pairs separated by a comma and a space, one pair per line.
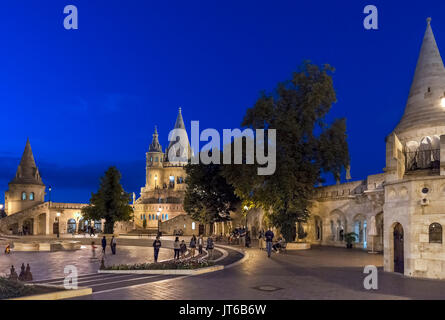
27, 172
180, 145
423, 108
155, 146
179, 121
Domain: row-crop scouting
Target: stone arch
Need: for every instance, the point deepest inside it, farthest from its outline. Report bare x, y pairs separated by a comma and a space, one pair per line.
360, 225
318, 228
397, 247
338, 225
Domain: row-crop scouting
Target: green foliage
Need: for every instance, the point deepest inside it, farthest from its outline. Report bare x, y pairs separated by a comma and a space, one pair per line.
110, 202
166, 265
307, 147
208, 197
351, 237
13, 288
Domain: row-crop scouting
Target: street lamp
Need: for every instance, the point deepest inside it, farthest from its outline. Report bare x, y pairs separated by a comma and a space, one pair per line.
77, 216
246, 208
442, 102
156, 179
58, 224
49, 202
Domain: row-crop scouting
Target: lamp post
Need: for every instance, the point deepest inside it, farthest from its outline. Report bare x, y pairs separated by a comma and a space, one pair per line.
246, 209
49, 202
58, 224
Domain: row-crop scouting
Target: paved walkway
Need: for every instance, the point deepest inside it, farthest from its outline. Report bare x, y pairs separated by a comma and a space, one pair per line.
320, 273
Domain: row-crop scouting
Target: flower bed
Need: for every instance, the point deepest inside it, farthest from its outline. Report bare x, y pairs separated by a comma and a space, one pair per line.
166, 265
13, 289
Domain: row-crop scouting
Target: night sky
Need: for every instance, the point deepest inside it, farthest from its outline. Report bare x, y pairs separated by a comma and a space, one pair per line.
90, 98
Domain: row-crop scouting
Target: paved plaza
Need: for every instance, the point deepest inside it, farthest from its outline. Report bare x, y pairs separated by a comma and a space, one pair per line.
319, 273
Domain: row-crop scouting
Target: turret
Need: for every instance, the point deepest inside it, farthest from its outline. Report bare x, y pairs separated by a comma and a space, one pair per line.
26, 189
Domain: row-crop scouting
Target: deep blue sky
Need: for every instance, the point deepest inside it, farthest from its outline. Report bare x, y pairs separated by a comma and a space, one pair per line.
90, 98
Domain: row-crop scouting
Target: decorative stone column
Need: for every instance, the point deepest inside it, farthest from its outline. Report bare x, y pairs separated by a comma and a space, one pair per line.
442, 155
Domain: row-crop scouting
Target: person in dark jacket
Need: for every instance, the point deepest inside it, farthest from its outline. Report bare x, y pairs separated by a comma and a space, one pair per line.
183, 248
156, 247
210, 247
104, 244
269, 238
192, 246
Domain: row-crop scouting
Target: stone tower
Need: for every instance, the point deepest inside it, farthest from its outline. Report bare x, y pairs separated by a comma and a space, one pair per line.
424, 113
26, 189
155, 158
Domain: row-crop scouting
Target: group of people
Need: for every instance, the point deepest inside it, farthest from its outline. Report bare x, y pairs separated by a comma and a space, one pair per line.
268, 237
104, 246
25, 273
180, 247
242, 235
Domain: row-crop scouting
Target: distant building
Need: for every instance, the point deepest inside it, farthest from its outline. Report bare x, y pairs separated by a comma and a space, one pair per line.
29, 214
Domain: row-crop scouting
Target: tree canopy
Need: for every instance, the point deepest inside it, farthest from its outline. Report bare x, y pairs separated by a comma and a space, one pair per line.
208, 197
307, 146
110, 202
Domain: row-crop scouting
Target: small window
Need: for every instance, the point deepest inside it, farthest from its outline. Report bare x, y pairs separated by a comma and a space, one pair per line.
435, 232
23, 195
156, 159
162, 216
31, 196
166, 216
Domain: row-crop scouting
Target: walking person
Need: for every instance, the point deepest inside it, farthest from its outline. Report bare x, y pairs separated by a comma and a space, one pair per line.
156, 246
113, 245
176, 248
104, 244
269, 238
93, 250
183, 247
200, 243
210, 247
193, 246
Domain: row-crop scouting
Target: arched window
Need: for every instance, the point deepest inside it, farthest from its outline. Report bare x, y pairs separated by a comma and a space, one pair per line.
23, 195
166, 216
31, 196
435, 232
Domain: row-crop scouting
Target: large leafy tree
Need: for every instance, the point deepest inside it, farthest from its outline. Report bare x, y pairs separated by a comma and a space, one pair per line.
208, 197
110, 202
307, 147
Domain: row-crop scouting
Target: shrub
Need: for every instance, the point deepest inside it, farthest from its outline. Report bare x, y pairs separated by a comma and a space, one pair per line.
13, 289
166, 265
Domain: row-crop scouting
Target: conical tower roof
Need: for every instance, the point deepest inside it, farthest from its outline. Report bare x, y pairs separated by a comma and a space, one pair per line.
155, 146
423, 109
181, 145
27, 172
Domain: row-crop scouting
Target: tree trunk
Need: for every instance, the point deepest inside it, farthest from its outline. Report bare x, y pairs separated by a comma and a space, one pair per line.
109, 227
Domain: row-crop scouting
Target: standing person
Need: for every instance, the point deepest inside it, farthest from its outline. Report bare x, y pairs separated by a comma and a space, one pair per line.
8, 249
193, 245
104, 244
269, 238
247, 239
183, 249
113, 245
156, 245
200, 244
261, 240
93, 250
176, 247
210, 247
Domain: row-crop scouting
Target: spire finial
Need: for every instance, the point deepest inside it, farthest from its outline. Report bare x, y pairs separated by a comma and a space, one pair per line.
428, 20
180, 109
156, 129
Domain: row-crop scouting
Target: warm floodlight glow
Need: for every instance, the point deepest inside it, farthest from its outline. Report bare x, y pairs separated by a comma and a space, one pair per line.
442, 102
246, 207
58, 214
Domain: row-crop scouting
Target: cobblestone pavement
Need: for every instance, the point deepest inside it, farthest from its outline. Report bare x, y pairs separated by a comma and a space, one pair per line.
320, 273
49, 265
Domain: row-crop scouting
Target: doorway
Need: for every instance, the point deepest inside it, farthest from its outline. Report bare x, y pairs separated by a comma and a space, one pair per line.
398, 249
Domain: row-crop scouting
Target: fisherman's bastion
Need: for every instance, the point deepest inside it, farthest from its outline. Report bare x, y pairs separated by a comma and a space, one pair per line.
400, 212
